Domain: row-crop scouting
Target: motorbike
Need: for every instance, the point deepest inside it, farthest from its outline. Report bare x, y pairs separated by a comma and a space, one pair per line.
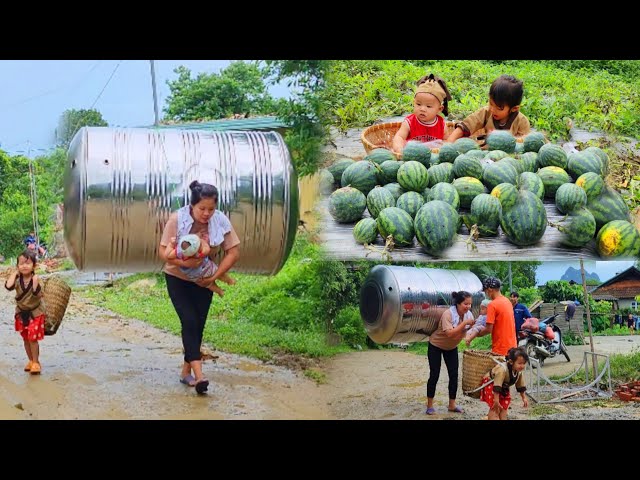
540, 347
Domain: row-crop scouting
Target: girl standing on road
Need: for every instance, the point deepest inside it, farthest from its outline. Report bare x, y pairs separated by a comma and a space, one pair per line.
497, 394
443, 343
29, 315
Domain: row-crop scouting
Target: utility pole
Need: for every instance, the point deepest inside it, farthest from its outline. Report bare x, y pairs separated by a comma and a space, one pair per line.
155, 95
586, 306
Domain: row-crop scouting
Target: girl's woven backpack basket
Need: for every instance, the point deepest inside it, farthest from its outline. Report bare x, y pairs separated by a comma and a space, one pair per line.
55, 296
475, 365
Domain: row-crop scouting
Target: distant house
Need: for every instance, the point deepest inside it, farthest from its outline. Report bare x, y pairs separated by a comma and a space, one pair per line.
622, 289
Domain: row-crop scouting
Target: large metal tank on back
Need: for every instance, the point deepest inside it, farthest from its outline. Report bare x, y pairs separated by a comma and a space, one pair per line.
404, 304
121, 184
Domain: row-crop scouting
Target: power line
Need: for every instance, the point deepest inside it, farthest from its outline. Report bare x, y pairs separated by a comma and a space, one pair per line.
105, 85
48, 92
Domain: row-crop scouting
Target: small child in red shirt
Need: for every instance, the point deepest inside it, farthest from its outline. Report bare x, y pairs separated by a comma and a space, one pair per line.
424, 124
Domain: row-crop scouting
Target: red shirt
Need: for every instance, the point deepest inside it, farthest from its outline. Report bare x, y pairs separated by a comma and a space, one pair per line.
425, 133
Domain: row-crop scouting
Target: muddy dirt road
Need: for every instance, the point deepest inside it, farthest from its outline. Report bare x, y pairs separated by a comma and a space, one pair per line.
102, 366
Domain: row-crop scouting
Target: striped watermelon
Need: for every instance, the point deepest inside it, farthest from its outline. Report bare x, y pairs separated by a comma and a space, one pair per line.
465, 144
448, 153
411, 202
435, 159
533, 142
338, 167
485, 213
425, 194
604, 158
436, 225
389, 171
583, 162
467, 166
501, 140
498, 173
607, 207
517, 164
325, 181
507, 194
468, 188
531, 182
479, 154
347, 204
496, 155
618, 239
413, 176
591, 183
395, 189
526, 221
415, 151
570, 197
379, 156
366, 231
519, 147
362, 175
396, 222
378, 199
577, 228
552, 178
529, 161
443, 172
552, 155
445, 192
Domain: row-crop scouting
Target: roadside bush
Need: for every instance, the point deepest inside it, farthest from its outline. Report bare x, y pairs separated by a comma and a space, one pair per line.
348, 324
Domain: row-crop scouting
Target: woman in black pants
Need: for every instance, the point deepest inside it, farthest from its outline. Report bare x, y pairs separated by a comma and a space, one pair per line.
190, 300
443, 343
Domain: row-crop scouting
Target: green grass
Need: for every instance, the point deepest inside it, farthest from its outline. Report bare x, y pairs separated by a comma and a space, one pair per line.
612, 332
538, 409
315, 375
624, 368
555, 95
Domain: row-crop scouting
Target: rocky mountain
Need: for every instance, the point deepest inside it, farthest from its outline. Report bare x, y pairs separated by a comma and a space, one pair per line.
574, 274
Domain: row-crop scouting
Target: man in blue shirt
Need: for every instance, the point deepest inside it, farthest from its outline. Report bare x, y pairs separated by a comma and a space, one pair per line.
520, 312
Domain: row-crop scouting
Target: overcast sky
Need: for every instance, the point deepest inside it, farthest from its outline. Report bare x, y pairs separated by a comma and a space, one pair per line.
34, 93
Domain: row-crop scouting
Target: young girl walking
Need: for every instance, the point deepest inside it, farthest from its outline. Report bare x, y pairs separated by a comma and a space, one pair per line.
29, 316
496, 395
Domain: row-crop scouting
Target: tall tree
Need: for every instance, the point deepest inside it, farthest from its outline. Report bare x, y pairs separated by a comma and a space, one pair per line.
238, 89
304, 112
73, 120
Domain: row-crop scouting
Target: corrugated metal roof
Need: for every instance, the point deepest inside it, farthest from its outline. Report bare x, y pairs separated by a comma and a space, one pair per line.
604, 297
251, 123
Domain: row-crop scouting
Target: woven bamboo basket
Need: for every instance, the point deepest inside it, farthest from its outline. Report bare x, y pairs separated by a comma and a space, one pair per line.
55, 296
381, 136
475, 365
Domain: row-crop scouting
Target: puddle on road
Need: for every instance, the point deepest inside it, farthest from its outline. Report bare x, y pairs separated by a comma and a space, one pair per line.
253, 367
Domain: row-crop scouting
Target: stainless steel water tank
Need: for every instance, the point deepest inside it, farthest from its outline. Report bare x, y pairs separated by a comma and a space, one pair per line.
121, 184
404, 304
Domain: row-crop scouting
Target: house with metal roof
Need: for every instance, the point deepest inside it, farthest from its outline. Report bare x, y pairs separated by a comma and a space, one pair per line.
623, 289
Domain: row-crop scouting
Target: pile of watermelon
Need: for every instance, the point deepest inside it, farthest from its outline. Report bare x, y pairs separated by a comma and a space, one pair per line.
429, 195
